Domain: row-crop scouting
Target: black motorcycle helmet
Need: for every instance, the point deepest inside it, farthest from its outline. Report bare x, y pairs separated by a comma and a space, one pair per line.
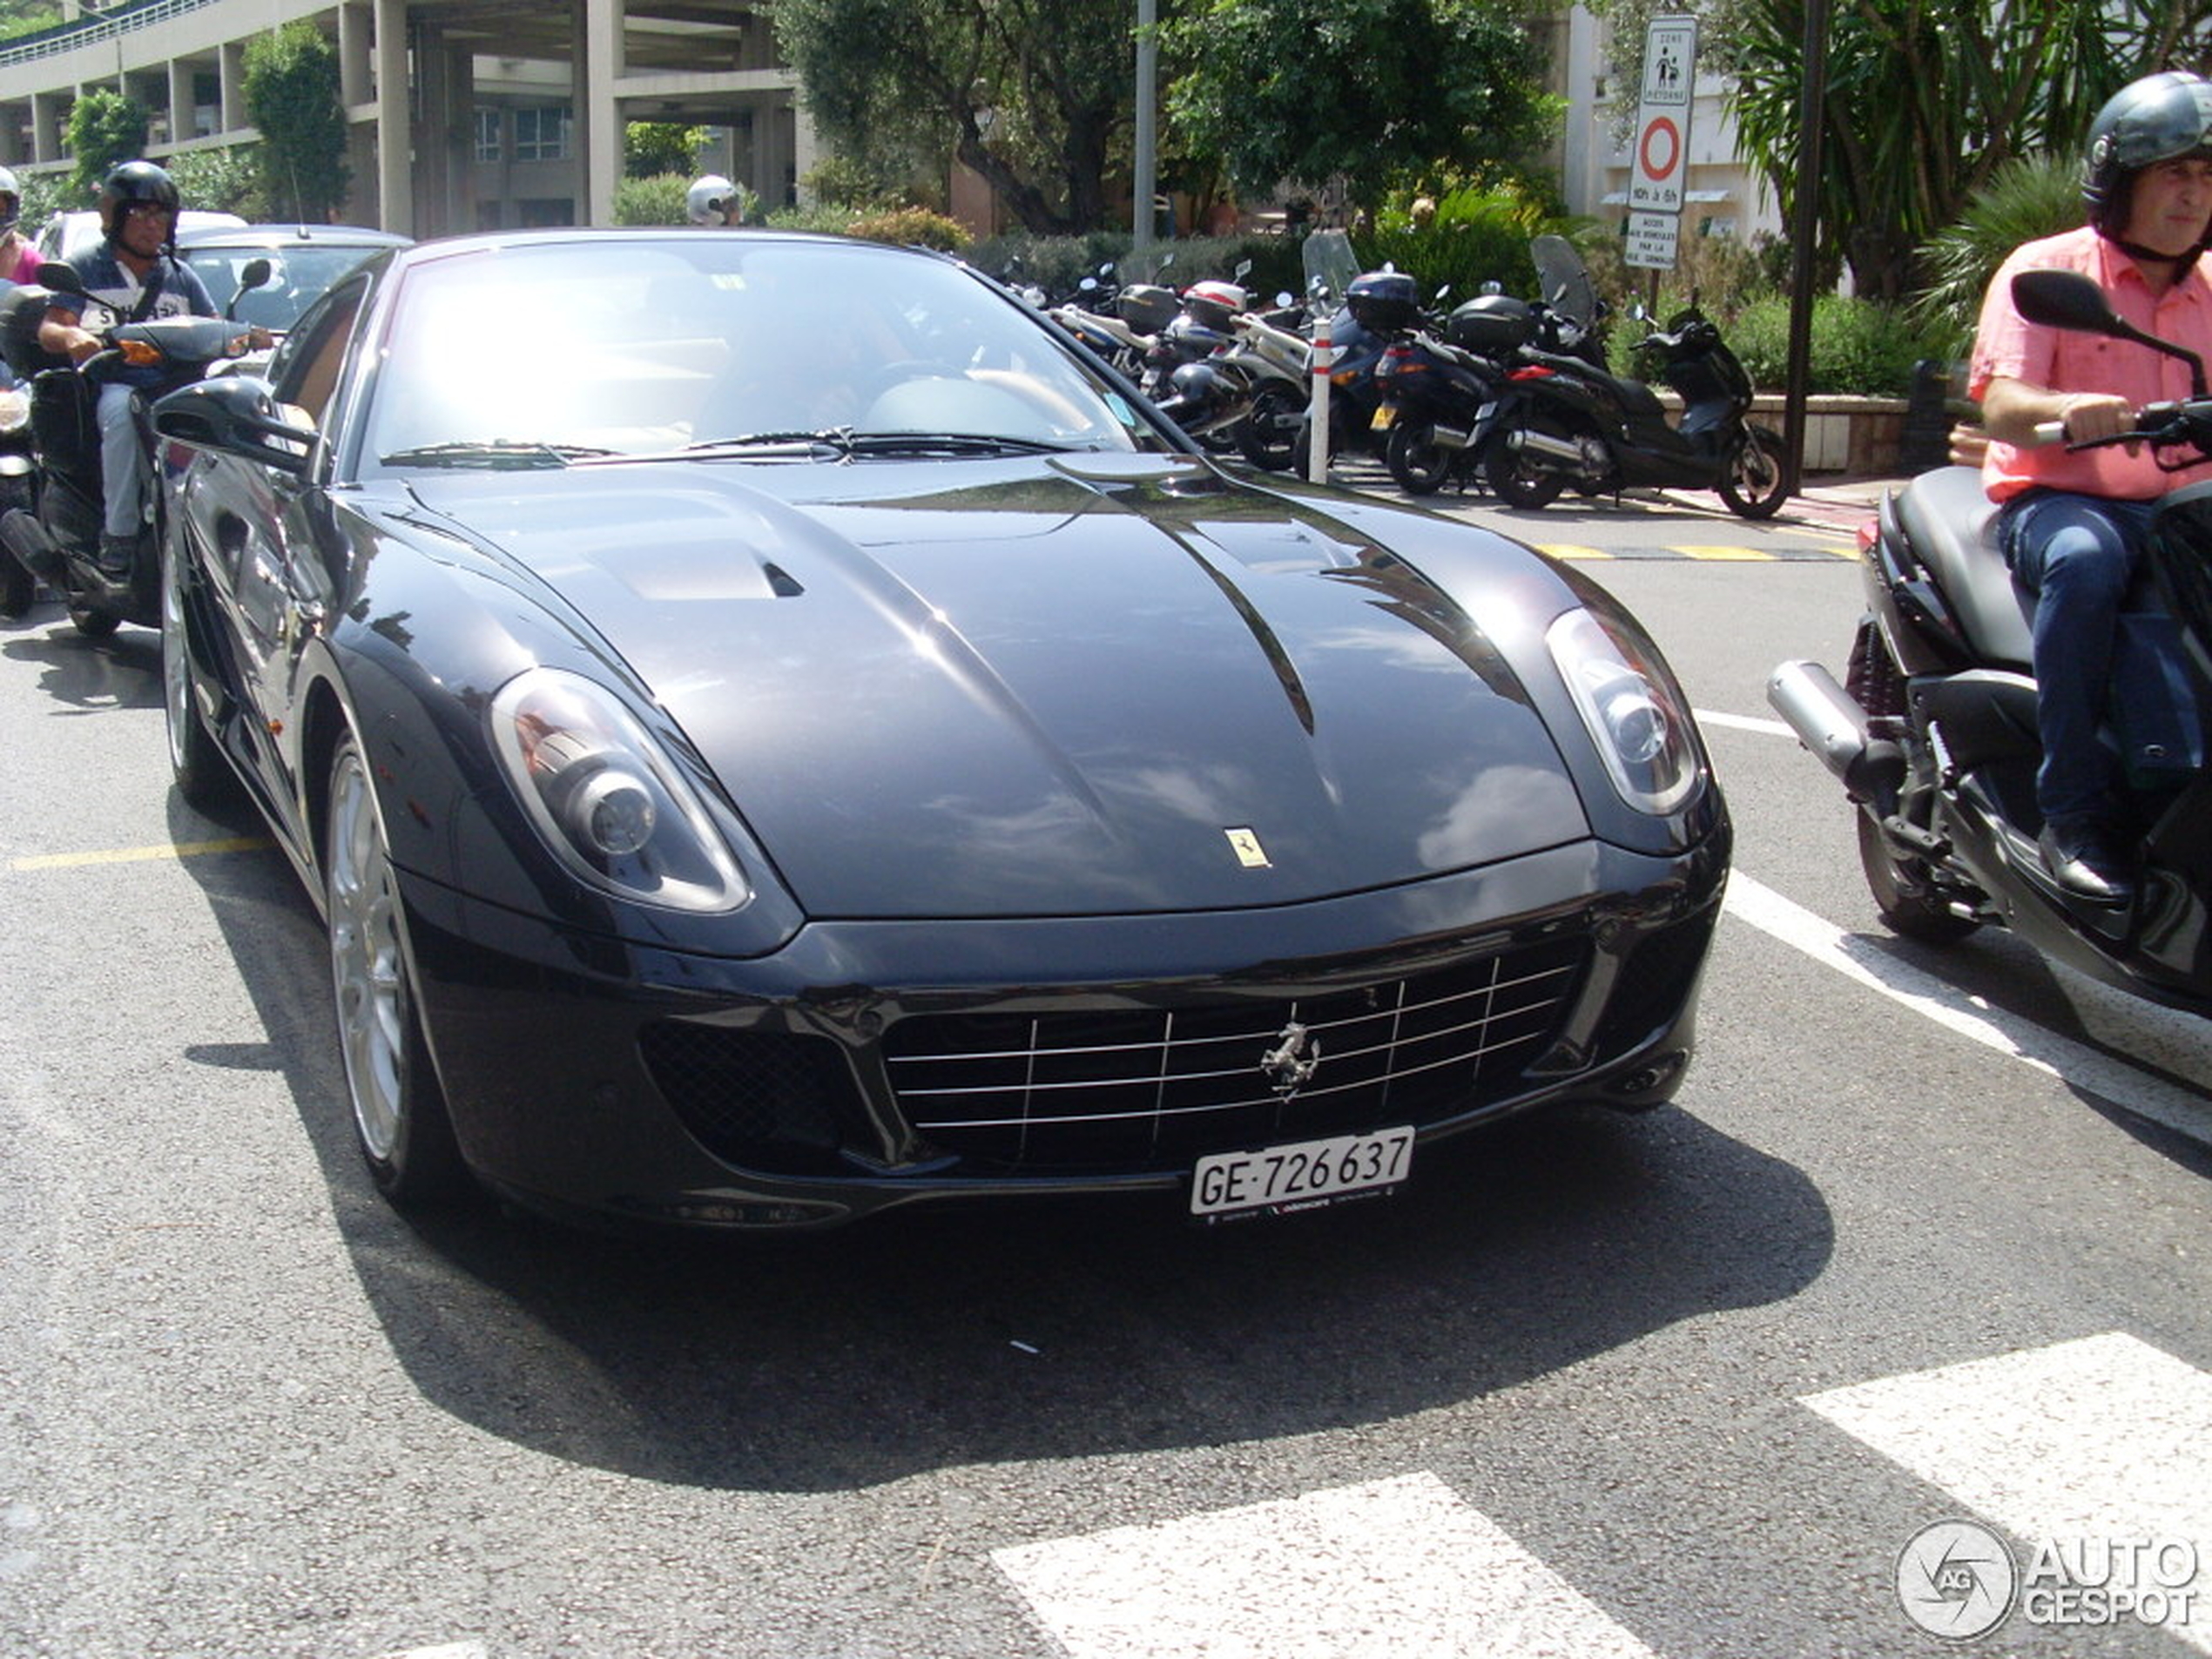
2160, 118
136, 181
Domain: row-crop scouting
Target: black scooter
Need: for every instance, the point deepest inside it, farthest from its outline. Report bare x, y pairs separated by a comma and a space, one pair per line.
56, 535
1566, 421
1935, 737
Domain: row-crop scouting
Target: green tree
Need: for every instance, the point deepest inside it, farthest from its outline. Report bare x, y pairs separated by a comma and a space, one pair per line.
1383, 92
292, 95
1033, 95
650, 148
104, 128
2028, 198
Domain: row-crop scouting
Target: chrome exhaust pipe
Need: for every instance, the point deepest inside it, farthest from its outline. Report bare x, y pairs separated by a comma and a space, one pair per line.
1447, 437
1544, 444
1829, 721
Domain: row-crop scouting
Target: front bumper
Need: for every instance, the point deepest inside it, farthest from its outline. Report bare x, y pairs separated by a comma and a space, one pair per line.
872, 1064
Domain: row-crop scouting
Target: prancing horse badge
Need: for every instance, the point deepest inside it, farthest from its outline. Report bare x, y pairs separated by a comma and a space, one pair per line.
1249, 852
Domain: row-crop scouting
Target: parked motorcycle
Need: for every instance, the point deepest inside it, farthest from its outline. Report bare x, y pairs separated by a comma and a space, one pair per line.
56, 534
1566, 420
1934, 734
1441, 394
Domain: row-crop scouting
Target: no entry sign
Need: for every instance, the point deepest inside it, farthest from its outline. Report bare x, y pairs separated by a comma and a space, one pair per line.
1663, 116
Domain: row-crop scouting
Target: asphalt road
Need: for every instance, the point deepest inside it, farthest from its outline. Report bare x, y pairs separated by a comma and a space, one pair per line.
1923, 1240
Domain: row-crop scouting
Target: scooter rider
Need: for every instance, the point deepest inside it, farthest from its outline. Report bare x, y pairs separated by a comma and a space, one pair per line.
713, 200
134, 274
2073, 525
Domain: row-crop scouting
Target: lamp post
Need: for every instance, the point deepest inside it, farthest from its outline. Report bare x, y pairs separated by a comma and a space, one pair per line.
1145, 165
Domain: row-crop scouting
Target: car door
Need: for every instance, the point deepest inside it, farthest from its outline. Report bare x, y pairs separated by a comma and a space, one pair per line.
250, 529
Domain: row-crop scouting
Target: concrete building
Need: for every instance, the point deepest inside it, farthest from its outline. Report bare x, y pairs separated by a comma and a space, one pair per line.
464, 114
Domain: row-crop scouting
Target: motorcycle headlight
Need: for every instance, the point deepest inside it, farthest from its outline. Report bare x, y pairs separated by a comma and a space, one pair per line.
15, 409
1635, 713
607, 798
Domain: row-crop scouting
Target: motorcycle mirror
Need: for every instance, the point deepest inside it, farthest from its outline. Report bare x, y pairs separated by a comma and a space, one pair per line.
59, 277
1243, 269
1088, 284
2070, 300
256, 274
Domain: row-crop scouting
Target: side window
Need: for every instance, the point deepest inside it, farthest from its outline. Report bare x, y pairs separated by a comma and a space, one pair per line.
305, 369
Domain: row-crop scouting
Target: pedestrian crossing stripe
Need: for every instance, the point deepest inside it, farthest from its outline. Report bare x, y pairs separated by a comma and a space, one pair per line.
1703, 553
1398, 1567
2082, 1450
1572, 551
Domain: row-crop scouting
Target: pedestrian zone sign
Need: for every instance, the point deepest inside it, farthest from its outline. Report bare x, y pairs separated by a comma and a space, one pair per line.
1662, 155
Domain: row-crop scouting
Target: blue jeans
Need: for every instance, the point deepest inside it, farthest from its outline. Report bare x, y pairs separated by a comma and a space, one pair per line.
2079, 556
122, 464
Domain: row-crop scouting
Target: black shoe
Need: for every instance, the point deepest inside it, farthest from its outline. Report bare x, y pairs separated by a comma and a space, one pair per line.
116, 557
2082, 859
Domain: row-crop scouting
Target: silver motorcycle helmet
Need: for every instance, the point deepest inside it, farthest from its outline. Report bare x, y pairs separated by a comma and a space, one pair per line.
11, 201
2160, 118
709, 199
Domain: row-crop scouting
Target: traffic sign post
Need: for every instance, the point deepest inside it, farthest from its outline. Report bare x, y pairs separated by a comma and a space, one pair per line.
1661, 160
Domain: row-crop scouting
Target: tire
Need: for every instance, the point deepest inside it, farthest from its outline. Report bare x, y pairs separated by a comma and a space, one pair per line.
399, 1117
90, 623
1268, 434
1754, 486
17, 586
1517, 481
202, 775
1417, 461
1901, 894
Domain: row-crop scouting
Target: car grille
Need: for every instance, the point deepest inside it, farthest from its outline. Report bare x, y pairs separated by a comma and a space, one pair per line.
1143, 1088
760, 1100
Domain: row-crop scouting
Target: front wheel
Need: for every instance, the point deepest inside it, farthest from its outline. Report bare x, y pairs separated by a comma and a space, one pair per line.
399, 1117
1417, 461
1516, 479
1268, 434
1753, 484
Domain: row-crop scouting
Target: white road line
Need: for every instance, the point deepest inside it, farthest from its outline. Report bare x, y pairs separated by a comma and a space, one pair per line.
2104, 1441
1742, 723
1396, 1569
2125, 1086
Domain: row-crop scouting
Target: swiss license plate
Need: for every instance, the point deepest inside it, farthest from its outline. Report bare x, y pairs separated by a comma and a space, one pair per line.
1384, 417
1303, 1175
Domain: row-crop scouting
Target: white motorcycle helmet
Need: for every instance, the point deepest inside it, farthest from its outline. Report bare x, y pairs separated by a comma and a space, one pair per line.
11, 201
712, 200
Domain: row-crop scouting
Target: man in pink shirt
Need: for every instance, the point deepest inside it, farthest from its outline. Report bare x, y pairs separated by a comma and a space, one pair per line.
2072, 525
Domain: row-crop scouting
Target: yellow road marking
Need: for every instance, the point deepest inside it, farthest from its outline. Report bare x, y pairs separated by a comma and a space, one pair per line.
1572, 551
140, 855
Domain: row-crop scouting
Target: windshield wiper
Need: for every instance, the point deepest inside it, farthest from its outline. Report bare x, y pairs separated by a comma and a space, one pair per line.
955, 443
493, 452
838, 438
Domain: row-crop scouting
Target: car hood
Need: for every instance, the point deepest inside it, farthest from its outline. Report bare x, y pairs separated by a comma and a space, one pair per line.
1084, 685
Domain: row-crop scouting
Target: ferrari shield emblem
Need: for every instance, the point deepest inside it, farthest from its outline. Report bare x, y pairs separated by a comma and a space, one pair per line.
1249, 852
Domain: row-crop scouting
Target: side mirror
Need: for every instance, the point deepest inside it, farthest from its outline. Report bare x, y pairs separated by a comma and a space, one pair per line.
57, 276
2070, 300
256, 274
235, 415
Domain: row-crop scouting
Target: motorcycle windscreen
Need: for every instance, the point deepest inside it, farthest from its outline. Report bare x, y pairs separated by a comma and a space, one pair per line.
2181, 564
1330, 265
1565, 280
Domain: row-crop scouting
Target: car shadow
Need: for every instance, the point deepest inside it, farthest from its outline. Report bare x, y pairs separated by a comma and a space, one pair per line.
843, 1360
86, 676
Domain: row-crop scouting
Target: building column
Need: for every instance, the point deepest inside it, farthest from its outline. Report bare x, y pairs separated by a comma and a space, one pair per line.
395, 140
356, 26
48, 112
184, 126
234, 118
599, 117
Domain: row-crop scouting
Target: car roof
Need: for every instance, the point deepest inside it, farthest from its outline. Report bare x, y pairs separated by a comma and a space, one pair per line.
57, 235
289, 235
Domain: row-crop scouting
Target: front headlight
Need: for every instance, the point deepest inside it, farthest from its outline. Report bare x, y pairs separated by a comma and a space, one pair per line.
14, 408
606, 798
1634, 712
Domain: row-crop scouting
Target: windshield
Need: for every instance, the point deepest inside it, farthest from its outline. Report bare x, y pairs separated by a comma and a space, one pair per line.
1330, 265
555, 352
1565, 280
298, 277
